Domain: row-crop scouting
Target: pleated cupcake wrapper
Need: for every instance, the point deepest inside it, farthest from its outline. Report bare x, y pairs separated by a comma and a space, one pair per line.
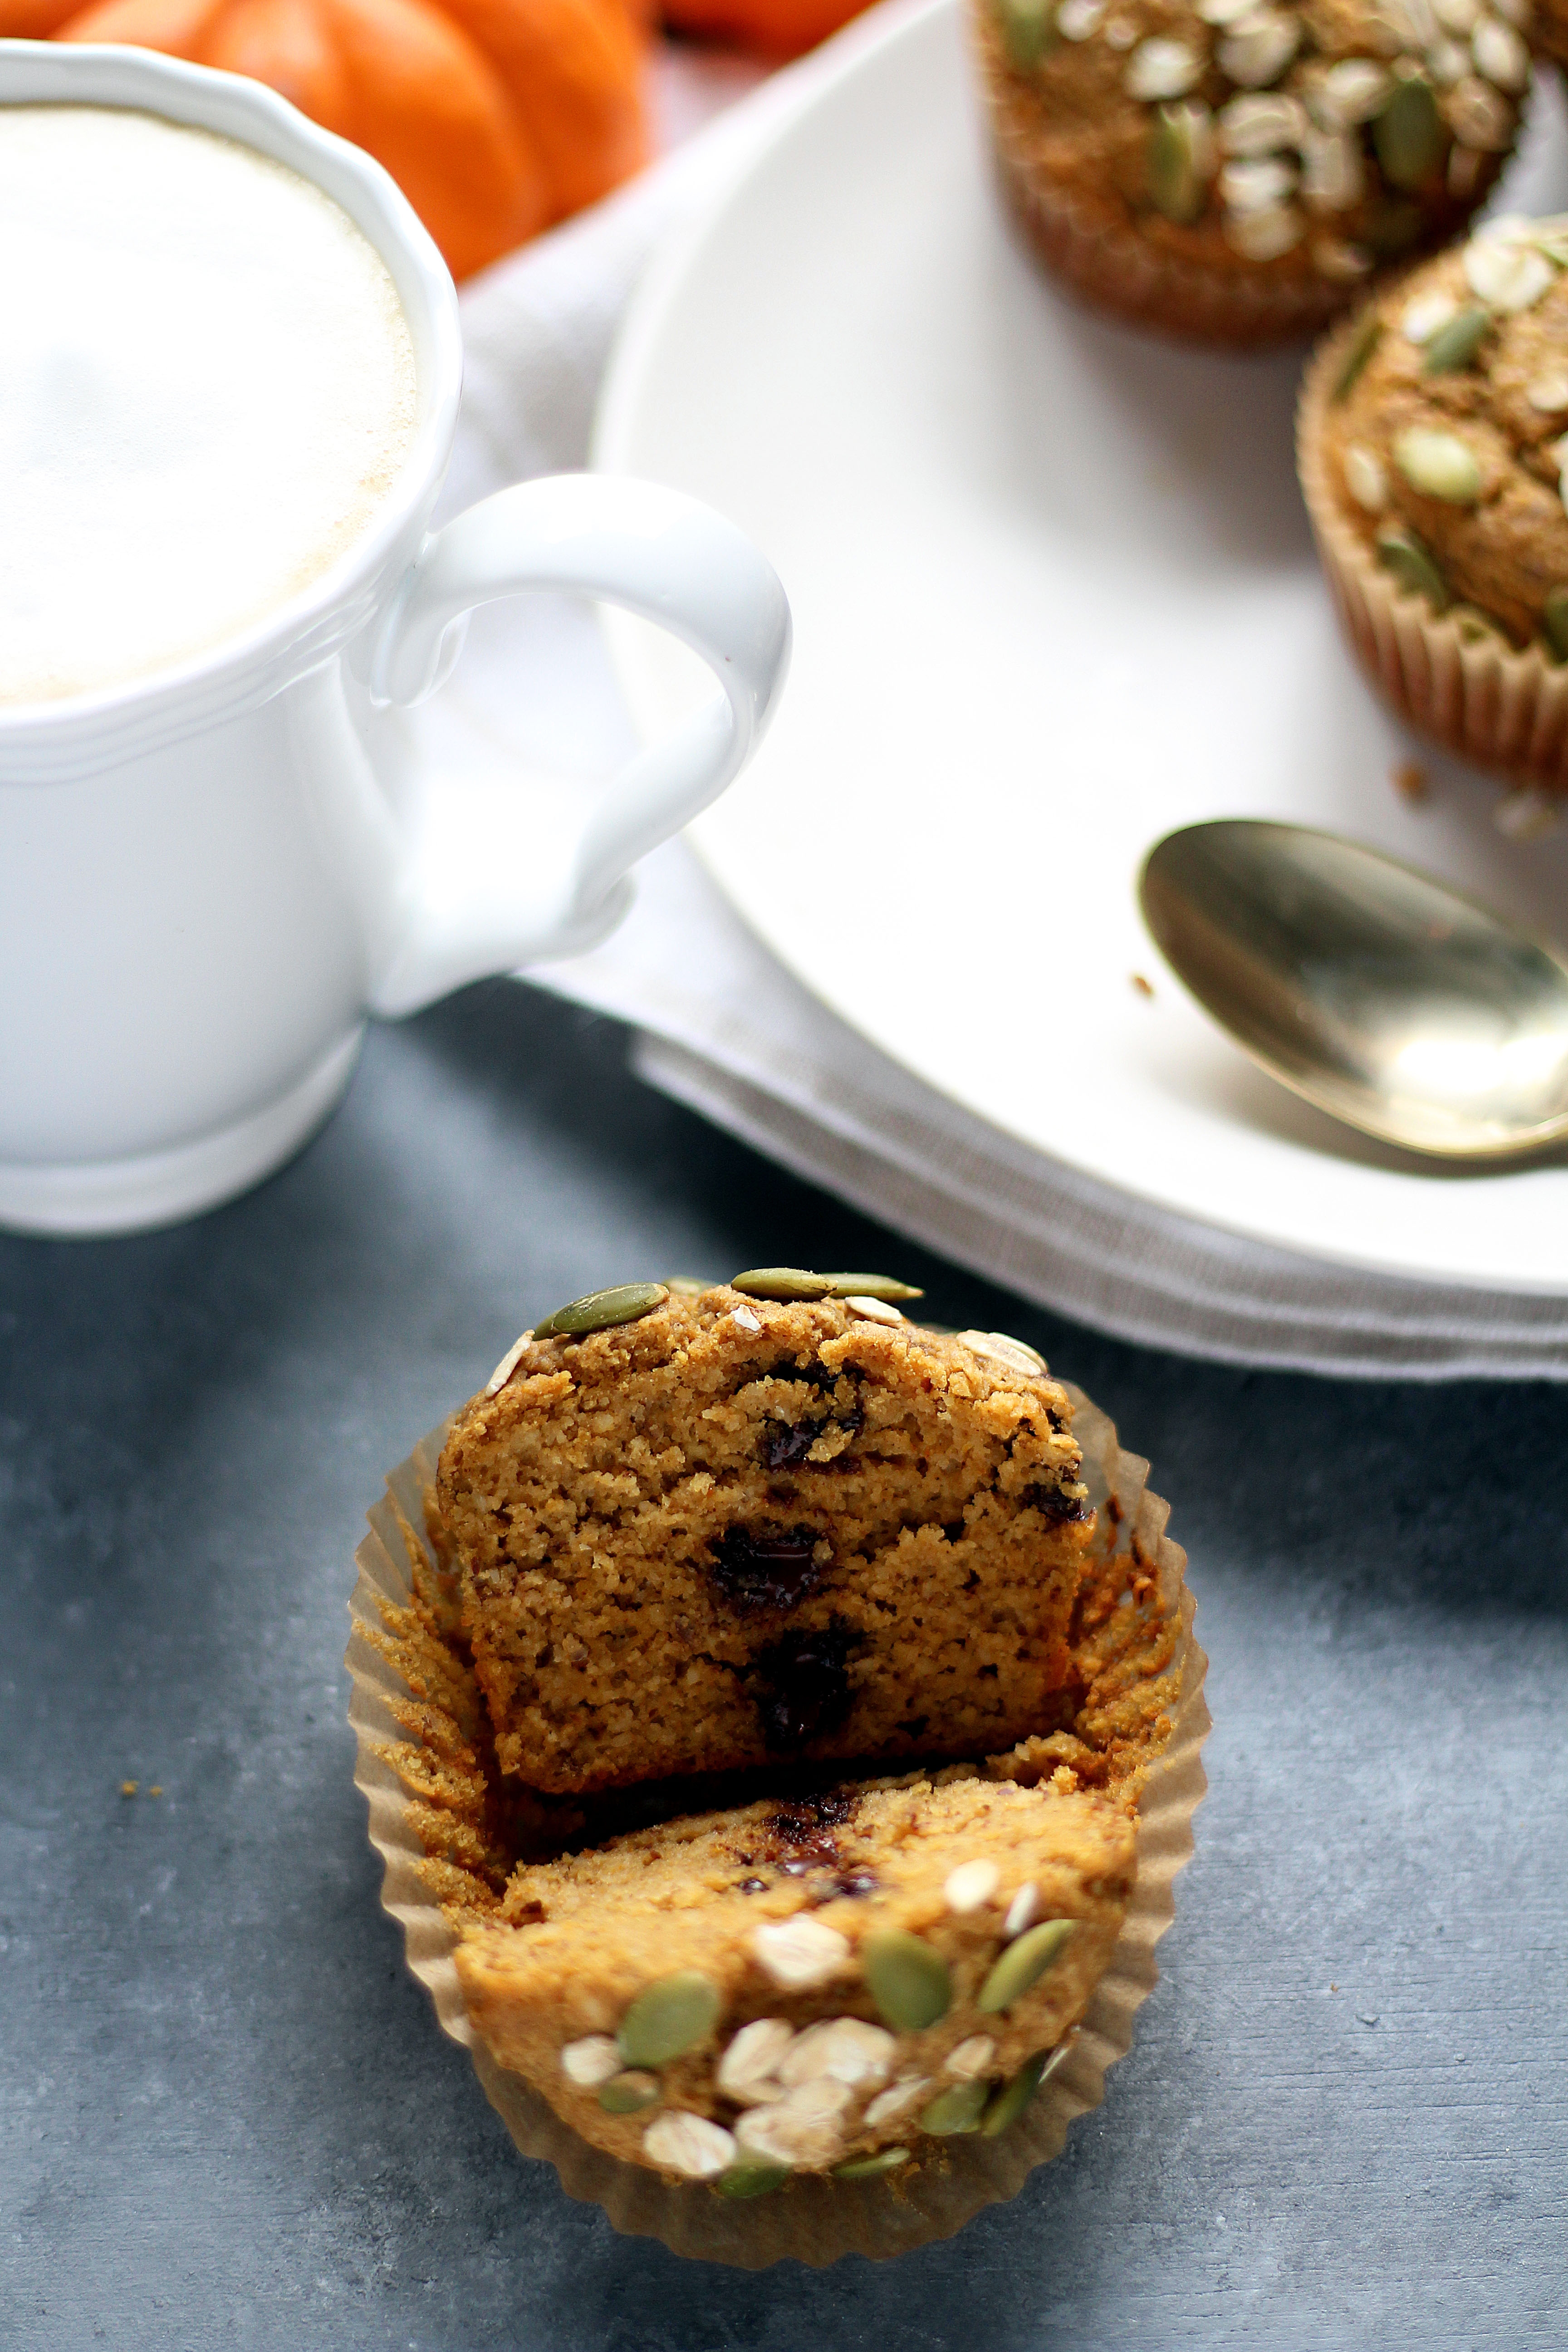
812, 2219
1503, 709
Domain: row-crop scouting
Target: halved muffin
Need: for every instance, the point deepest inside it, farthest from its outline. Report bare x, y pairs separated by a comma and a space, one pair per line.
741, 1528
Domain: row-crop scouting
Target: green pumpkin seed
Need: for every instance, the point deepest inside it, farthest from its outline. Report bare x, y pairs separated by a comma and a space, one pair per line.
956, 2110
1362, 344
1455, 345
871, 1286
1025, 1961
1028, 31
668, 2018
1413, 566
871, 2168
1438, 465
1554, 623
1176, 186
908, 1980
602, 1310
780, 1282
1476, 626
751, 2178
1409, 136
1013, 2097
628, 2094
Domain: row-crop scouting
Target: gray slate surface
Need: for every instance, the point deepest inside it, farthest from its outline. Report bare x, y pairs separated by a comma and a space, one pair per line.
227, 2115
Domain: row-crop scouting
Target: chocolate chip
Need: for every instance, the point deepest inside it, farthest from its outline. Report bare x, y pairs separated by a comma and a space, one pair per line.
767, 1568
803, 1685
783, 1446
1052, 1504
858, 1881
801, 1817
752, 1886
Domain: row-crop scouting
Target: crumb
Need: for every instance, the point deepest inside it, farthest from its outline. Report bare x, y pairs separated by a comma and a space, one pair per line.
155, 1790
1144, 987
129, 1788
1524, 816
1409, 779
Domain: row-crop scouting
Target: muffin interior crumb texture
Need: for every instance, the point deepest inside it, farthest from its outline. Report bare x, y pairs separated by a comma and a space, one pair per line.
739, 1531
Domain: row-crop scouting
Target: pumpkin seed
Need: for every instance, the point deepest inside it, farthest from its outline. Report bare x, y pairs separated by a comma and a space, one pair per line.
1554, 623
1439, 465
1362, 344
782, 1282
1176, 186
1409, 136
1455, 344
750, 2176
602, 1310
957, 2110
1476, 626
688, 1286
871, 2168
629, 2093
908, 1980
1028, 32
668, 2018
871, 1286
1013, 2097
1024, 1962
1413, 565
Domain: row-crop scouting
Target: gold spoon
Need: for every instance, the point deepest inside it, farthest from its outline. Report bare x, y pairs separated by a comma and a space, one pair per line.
1393, 1003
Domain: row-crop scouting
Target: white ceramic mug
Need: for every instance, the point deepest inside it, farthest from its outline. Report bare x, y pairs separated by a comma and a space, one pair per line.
203, 888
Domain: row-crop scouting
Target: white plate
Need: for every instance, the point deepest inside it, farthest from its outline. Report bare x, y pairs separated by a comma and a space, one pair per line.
1053, 594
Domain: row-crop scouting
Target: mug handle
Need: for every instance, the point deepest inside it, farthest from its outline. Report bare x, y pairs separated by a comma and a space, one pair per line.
659, 554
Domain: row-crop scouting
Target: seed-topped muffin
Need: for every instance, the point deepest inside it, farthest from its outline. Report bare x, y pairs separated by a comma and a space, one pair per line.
1236, 171
769, 1520
833, 1984
1432, 443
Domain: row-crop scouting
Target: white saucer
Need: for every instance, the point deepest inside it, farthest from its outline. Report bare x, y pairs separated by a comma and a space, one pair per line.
1053, 595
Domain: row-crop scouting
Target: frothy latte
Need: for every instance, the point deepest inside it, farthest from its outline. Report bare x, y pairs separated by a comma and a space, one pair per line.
206, 390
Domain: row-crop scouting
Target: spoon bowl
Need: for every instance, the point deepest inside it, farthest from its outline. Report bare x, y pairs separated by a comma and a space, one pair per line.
1393, 1003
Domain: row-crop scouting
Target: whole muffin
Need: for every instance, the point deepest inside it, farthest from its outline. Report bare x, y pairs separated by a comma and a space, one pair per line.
1236, 171
1432, 443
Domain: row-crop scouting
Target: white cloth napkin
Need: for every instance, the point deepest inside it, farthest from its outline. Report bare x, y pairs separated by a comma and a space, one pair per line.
717, 1023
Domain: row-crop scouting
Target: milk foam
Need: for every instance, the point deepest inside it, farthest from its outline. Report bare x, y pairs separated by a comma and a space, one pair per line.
206, 390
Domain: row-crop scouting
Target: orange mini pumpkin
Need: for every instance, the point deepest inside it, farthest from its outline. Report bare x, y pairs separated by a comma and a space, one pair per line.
775, 28
494, 117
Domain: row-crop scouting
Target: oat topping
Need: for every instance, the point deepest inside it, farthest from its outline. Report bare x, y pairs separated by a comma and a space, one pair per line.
592, 2060
1021, 1910
689, 2145
748, 2068
971, 1884
1442, 434
800, 1951
1257, 119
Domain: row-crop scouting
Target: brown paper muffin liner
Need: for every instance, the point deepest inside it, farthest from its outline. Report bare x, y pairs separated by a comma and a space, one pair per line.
1115, 270
1503, 709
413, 1710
